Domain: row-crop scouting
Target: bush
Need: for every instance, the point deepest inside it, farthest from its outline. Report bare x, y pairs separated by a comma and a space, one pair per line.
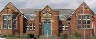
93, 37
64, 36
77, 34
45, 37
75, 37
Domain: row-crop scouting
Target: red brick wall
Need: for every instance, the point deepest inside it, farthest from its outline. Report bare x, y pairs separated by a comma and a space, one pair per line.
37, 21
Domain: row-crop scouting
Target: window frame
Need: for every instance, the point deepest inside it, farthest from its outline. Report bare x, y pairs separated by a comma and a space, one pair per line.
83, 21
8, 19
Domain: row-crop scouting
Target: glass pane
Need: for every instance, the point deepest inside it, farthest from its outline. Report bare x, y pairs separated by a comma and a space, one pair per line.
66, 27
5, 16
30, 27
9, 17
14, 16
88, 21
84, 21
5, 26
79, 16
14, 21
5, 21
79, 26
9, 21
14, 26
88, 26
84, 26
27, 27
9, 26
79, 21
86, 16
63, 27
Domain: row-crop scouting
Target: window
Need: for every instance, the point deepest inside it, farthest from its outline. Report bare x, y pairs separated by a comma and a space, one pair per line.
88, 26
79, 16
30, 17
14, 16
64, 27
14, 21
79, 26
7, 17
7, 21
14, 26
30, 27
86, 17
84, 21
79, 21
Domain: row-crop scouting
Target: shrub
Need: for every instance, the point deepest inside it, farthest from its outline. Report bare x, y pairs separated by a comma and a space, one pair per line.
77, 34
64, 36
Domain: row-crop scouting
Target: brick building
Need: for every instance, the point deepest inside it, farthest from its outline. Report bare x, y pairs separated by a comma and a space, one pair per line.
47, 21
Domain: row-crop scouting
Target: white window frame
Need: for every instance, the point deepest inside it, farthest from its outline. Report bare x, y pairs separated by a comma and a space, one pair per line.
28, 27
9, 27
64, 27
7, 20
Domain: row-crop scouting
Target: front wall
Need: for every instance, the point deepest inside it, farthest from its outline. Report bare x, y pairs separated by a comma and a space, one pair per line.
38, 22
11, 9
74, 22
55, 21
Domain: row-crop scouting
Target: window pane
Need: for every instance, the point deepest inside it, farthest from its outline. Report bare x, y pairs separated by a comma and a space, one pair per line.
5, 17
79, 16
79, 26
63, 27
84, 26
88, 26
9, 17
88, 21
30, 27
86, 16
5, 26
14, 21
14, 16
5, 22
66, 27
14, 26
84, 21
27, 27
9, 26
79, 21
9, 21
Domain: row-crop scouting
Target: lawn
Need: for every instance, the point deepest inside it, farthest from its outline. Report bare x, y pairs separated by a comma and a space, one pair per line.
16, 38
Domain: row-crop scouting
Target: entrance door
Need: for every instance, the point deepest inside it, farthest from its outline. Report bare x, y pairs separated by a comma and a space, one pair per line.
47, 28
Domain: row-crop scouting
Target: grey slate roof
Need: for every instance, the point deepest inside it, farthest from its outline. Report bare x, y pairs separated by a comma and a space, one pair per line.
63, 13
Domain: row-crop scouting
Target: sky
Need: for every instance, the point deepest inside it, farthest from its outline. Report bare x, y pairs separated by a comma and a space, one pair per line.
54, 4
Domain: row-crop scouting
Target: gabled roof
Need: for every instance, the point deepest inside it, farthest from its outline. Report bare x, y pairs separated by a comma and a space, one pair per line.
47, 8
63, 13
11, 7
85, 7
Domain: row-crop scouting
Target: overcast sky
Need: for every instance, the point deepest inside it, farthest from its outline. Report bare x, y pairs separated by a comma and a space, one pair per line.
54, 4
